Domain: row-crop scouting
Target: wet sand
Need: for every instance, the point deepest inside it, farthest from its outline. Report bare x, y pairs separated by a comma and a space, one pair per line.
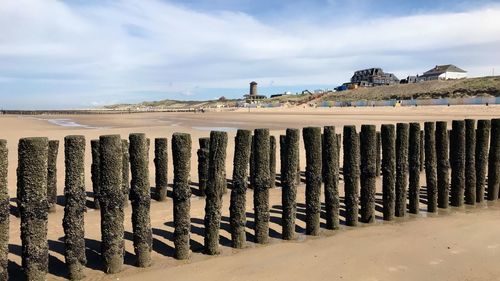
460, 244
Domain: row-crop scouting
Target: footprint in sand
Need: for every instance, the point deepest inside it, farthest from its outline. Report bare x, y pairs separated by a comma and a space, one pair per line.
397, 268
435, 262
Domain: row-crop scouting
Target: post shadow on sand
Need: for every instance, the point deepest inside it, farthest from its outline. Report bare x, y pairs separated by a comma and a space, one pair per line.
223, 240
249, 224
15, 270
89, 201
159, 246
277, 209
423, 195
195, 246
57, 267
14, 210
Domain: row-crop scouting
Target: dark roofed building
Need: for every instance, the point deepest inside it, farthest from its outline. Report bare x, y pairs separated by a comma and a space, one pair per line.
373, 77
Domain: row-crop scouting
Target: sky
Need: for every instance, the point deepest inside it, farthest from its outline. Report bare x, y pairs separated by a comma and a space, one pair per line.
90, 53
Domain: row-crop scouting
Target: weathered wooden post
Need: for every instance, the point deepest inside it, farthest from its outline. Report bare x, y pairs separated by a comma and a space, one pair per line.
402, 130
312, 143
289, 183
378, 154
443, 164
368, 148
261, 185
126, 171
422, 151
74, 210
204, 142
237, 206
161, 168
494, 161
4, 211
470, 161
52, 175
32, 200
331, 177
203, 155
388, 134
215, 189
140, 198
181, 158
282, 157
272, 161
414, 168
95, 171
252, 162
482, 141
457, 161
431, 166
351, 174
111, 201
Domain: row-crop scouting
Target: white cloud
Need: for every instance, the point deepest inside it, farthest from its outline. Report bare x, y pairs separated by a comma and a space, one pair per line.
126, 50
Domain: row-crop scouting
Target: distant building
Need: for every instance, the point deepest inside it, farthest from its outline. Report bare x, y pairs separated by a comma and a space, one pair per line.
444, 72
412, 79
373, 77
280, 95
253, 97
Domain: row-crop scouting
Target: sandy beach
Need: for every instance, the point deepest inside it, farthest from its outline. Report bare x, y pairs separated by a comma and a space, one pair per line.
454, 244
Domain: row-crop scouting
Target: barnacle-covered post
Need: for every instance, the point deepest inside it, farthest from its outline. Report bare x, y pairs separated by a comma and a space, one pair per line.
368, 149
74, 209
414, 168
203, 154
238, 192
289, 183
181, 157
4, 211
215, 189
111, 201
443, 164
261, 185
126, 171
388, 133
32, 200
351, 174
470, 161
52, 175
431, 166
140, 198
457, 161
161, 168
312, 143
494, 161
331, 177
272, 161
95, 168
401, 168
482, 141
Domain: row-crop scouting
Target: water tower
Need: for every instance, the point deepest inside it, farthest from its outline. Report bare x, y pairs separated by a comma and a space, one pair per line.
253, 88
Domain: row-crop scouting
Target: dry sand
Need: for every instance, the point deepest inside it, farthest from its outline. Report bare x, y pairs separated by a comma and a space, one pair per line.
456, 244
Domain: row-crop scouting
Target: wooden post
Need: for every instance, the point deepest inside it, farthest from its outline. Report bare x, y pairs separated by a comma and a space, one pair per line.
74, 210
368, 148
181, 158
32, 198
351, 174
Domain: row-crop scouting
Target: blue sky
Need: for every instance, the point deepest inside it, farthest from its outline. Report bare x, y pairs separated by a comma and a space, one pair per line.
79, 54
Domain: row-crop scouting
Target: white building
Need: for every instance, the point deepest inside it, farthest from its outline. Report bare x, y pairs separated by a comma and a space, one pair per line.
444, 72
